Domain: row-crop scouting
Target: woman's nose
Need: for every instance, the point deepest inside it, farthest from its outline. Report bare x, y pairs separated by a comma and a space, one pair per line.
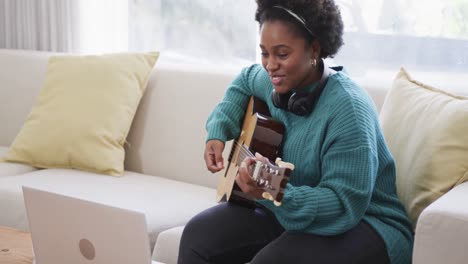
272, 64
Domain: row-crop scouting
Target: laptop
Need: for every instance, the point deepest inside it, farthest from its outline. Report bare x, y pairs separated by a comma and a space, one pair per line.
74, 231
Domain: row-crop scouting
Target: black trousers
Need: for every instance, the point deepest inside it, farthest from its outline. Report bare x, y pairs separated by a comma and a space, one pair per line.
229, 233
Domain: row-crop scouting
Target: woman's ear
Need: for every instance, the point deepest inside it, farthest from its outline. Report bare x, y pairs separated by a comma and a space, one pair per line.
315, 50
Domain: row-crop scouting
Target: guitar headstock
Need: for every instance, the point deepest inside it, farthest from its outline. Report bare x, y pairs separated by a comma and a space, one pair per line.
272, 178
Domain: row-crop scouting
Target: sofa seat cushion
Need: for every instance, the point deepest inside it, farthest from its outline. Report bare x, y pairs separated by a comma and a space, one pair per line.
8, 168
166, 203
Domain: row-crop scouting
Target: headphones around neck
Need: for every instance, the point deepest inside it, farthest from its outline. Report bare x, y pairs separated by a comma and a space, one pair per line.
301, 102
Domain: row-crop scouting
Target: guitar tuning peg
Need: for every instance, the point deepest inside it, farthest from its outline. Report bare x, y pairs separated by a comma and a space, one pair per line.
283, 164
276, 203
267, 196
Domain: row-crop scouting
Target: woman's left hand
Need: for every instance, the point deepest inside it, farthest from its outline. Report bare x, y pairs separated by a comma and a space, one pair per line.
245, 181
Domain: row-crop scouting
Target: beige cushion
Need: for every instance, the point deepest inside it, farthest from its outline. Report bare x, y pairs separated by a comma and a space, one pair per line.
83, 113
427, 132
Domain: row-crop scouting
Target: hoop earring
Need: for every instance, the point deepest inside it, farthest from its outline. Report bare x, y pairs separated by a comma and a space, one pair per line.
313, 62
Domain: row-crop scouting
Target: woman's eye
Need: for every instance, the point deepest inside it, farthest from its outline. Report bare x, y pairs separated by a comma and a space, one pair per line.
264, 54
282, 55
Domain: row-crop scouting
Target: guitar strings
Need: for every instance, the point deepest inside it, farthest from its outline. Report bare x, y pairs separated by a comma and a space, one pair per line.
243, 151
261, 181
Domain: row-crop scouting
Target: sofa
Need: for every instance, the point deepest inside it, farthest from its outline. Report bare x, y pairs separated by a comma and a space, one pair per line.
165, 175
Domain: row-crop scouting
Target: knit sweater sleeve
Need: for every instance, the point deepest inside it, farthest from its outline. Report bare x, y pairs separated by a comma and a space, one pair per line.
224, 122
349, 167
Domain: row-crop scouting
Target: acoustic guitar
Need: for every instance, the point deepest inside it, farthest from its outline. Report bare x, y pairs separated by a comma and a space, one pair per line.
260, 133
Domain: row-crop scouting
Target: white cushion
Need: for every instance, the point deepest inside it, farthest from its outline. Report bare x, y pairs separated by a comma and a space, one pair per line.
442, 229
166, 203
166, 248
170, 122
9, 169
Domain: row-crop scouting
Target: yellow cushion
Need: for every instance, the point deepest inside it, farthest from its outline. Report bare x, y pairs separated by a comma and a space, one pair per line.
427, 132
83, 113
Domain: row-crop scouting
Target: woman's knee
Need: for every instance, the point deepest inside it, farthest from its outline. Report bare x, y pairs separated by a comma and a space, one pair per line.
206, 227
268, 257
195, 230
193, 241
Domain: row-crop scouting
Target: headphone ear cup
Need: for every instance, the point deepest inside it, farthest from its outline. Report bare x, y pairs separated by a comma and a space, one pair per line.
300, 103
280, 100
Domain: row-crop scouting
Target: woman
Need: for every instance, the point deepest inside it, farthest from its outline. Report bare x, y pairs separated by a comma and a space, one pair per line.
340, 205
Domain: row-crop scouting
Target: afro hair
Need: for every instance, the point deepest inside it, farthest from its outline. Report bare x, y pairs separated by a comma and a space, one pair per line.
322, 18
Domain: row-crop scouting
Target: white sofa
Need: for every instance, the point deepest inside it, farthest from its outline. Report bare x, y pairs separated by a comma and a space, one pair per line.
165, 173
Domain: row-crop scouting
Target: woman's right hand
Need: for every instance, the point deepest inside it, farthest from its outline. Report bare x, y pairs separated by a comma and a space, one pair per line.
214, 155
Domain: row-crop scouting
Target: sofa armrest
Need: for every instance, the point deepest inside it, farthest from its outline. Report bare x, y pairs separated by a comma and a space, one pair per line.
166, 249
442, 229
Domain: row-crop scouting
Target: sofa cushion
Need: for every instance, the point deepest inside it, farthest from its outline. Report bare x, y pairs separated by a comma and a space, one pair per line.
83, 113
426, 131
9, 168
166, 203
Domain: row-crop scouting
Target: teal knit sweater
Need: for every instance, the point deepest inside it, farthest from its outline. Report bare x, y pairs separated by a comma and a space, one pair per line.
344, 171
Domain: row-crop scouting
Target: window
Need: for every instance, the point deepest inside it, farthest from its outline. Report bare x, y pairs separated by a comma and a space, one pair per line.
199, 31
426, 35
103, 26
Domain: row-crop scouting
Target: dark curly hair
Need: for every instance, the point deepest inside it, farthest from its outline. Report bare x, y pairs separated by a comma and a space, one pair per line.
322, 18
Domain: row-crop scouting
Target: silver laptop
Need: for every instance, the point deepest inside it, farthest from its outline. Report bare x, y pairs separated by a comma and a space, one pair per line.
74, 231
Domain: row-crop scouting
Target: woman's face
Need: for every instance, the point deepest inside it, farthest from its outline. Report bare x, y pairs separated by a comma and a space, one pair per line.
286, 57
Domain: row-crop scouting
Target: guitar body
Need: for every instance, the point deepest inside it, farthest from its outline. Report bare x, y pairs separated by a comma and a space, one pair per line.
259, 134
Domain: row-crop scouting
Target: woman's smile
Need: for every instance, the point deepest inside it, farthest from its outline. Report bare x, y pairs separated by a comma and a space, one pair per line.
277, 80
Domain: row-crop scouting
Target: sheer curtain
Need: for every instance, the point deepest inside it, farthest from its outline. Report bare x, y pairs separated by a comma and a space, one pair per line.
49, 25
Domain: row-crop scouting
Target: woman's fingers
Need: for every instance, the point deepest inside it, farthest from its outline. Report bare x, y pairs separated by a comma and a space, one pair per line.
245, 181
214, 155
210, 161
261, 158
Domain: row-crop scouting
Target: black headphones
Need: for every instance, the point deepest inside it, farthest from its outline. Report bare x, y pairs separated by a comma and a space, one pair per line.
301, 102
